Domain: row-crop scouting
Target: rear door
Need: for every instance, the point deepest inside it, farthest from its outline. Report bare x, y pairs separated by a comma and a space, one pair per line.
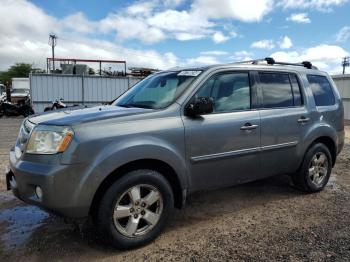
223, 147
284, 120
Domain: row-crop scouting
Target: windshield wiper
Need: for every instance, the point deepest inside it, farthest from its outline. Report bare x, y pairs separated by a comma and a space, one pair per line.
136, 105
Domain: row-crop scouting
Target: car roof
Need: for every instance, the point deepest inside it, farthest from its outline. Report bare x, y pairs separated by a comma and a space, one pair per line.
249, 66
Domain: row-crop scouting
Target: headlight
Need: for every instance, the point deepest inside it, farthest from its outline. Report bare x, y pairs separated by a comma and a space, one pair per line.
49, 139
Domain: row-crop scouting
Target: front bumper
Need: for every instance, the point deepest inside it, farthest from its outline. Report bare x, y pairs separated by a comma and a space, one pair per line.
60, 184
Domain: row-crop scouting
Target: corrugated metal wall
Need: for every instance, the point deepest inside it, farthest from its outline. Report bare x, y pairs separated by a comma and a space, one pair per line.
343, 85
74, 89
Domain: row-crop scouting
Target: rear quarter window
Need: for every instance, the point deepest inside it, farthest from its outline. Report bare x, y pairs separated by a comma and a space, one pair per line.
322, 90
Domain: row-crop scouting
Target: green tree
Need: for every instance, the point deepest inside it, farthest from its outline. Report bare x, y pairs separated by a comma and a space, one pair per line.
17, 70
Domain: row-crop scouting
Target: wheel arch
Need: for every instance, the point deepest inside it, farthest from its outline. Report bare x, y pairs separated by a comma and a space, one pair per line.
158, 165
330, 144
321, 133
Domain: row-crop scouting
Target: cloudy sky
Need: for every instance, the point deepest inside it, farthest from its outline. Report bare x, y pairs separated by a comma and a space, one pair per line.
168, 33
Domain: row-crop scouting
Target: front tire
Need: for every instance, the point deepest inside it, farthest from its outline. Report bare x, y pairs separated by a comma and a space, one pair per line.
135, 208
315, 170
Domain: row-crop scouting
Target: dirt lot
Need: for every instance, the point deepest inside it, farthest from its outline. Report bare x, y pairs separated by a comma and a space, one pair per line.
261, 221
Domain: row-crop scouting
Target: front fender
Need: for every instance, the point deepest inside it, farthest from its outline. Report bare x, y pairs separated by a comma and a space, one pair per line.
117, 154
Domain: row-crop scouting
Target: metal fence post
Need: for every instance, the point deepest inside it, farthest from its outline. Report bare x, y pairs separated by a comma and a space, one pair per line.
30, 89
82, 89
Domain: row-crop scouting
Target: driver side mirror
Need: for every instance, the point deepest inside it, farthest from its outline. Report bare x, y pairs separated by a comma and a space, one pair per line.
201, 105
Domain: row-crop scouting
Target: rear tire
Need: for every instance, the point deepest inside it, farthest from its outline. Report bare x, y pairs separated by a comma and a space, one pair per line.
134, 209
315, 170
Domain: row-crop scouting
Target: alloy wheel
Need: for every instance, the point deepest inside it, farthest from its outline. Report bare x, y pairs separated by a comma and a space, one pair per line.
318, 168
138, 210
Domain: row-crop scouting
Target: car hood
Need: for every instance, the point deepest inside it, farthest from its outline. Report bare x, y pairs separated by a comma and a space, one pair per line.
76, 115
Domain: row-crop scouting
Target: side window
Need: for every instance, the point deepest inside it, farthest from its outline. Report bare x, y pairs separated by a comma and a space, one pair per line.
298, 101
276, 89
206, 89
322, 90
230, 91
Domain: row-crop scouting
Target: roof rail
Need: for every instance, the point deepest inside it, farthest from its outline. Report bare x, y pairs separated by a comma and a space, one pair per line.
271, 61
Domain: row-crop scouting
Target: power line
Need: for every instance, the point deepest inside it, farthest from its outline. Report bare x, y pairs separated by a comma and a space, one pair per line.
52, 43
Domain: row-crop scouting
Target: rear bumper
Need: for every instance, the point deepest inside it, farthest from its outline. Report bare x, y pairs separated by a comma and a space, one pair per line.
59, 184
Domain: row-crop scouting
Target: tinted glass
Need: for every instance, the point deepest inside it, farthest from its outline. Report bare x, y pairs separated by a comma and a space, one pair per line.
296, 90
230, 92
322, 90
277, 91
156, 91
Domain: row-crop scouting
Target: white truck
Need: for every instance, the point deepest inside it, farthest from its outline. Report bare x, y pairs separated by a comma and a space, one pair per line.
2, 91
20, 89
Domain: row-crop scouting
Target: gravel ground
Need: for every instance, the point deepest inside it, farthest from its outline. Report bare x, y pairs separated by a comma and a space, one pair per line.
267, 220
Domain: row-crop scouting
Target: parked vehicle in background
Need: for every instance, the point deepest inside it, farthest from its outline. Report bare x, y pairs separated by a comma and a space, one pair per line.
20, 89
127, 165
58, 104
22, 108
2, 90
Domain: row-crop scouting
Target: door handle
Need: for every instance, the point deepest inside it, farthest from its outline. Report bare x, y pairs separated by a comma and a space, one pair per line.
249, 126
303, 119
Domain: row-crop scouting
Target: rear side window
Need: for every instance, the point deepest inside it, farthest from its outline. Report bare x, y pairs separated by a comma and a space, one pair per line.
277, 91
322, 90
298, 101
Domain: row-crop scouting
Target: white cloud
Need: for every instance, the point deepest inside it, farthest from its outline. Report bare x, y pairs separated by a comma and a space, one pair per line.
242, 56
31, 20
219, 37
24, 34
172, 3
214, 53
285, 43
263, 44
79, 23
243, 53
191, 24
343, 34
182, 36
299, 18
202, 60
321, 5
140, 8
131, 28
326, 57
24, 38
246, 11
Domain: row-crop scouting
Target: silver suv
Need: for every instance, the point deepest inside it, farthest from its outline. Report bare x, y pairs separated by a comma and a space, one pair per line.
127, 165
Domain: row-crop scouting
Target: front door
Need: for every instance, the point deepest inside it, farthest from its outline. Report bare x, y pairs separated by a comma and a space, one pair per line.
223, 147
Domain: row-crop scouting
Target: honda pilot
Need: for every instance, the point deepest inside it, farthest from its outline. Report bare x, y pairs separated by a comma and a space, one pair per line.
128, 164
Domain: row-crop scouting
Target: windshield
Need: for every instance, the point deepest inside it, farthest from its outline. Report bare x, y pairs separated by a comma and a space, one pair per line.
20, 90
156, 91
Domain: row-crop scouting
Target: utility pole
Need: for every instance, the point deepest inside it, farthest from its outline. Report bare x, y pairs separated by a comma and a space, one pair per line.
52, 43
345, 63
